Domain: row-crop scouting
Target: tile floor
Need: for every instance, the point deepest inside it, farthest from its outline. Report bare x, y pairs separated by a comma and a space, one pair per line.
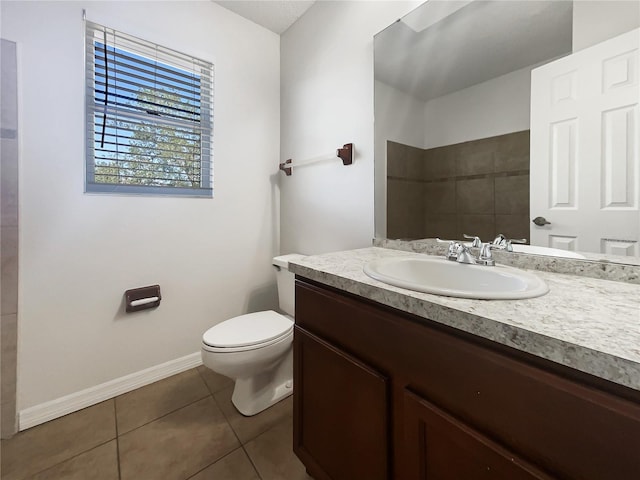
182, 427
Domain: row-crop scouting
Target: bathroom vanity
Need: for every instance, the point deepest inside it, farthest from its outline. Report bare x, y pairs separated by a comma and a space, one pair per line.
394, 384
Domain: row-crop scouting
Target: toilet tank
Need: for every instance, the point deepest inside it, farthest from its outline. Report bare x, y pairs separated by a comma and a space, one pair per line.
286, 284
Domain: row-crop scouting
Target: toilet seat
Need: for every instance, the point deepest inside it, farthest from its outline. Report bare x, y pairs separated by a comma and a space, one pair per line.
247, 332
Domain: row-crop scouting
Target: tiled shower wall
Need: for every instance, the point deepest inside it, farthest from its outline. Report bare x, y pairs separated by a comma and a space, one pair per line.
8, 236
479, 187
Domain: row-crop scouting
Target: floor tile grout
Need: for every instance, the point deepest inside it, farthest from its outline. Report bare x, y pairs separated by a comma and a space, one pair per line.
213, 463
165, 414
207, 385
83, 451
255, 467
268, 429
178, 409
209, 394
226, 419
234, 431
169, 413
70, 458
115, 419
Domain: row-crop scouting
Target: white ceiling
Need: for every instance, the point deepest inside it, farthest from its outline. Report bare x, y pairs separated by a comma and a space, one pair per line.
275, 15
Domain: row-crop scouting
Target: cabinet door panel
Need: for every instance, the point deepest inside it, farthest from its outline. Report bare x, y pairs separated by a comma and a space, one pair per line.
440, 447
570, 423
340, 413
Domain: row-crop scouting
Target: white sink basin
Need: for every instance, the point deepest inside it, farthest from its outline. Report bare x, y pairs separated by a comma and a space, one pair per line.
444, 277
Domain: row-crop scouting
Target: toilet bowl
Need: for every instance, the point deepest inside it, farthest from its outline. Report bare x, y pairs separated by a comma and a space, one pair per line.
256, 350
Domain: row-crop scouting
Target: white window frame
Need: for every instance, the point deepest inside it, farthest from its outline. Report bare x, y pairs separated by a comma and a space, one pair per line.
112, 109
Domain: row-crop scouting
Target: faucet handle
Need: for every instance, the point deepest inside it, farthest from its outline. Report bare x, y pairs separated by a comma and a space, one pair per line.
504, 243
476, 242
500, 240
452, 251
451, 247
509, 248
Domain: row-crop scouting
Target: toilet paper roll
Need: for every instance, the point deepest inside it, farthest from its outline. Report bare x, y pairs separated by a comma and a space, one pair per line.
144, 301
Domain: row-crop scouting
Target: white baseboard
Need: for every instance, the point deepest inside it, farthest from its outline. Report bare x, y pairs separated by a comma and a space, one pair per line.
32, 416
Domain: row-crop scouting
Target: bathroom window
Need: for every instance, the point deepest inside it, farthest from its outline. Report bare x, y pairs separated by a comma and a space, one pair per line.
149, 117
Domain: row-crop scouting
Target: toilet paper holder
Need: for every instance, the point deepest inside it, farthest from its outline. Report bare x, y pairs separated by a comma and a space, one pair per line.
142, 298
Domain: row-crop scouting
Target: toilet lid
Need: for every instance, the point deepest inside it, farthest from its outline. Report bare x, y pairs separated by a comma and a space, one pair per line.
249, 329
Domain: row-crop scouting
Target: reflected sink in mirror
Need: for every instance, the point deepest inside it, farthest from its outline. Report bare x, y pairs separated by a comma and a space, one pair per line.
444, 277
550, 252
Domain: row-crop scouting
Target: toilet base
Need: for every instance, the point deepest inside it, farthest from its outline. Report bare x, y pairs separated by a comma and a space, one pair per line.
249, 404
254, 394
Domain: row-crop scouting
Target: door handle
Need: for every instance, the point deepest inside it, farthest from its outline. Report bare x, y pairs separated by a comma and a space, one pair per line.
541, 221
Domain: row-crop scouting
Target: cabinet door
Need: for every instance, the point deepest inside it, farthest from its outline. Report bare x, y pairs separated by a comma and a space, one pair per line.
440, 447
340, 413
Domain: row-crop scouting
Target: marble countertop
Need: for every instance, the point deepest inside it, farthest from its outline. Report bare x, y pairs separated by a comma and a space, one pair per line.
588, 324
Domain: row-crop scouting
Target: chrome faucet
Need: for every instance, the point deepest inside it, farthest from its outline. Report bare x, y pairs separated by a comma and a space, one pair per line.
485, 257
503, 243
475, 241
461, 252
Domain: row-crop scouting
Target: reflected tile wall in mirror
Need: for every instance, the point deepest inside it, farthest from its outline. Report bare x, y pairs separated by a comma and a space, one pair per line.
479, 187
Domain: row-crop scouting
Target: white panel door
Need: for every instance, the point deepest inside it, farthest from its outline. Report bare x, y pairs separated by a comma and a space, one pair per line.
585, 171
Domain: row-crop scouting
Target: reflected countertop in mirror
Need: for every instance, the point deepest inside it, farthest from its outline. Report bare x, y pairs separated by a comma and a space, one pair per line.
489, 114
593, 265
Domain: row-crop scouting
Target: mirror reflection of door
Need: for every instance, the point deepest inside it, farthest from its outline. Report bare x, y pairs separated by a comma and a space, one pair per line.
584, 138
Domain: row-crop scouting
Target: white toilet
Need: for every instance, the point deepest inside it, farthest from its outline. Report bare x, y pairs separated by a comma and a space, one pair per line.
256, 349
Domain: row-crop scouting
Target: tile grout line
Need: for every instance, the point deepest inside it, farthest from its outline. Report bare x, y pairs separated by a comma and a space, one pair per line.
271, 427
257, 434
115, 419
204, 381
251, 461
226, 419
71, 457
87, 450
207, 385
211, 394
166, 414
218, 460
244, 445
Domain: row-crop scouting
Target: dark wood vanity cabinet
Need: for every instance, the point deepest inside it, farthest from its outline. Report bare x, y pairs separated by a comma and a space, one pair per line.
381, 394
439, 446
342, 414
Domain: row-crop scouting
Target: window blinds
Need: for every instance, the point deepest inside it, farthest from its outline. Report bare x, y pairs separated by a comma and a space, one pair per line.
149, 117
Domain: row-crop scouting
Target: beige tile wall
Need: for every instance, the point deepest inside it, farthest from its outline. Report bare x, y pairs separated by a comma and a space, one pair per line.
405, 191
8, 237
479, 187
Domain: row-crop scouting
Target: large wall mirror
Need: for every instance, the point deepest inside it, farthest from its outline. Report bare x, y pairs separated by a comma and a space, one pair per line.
492, 114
